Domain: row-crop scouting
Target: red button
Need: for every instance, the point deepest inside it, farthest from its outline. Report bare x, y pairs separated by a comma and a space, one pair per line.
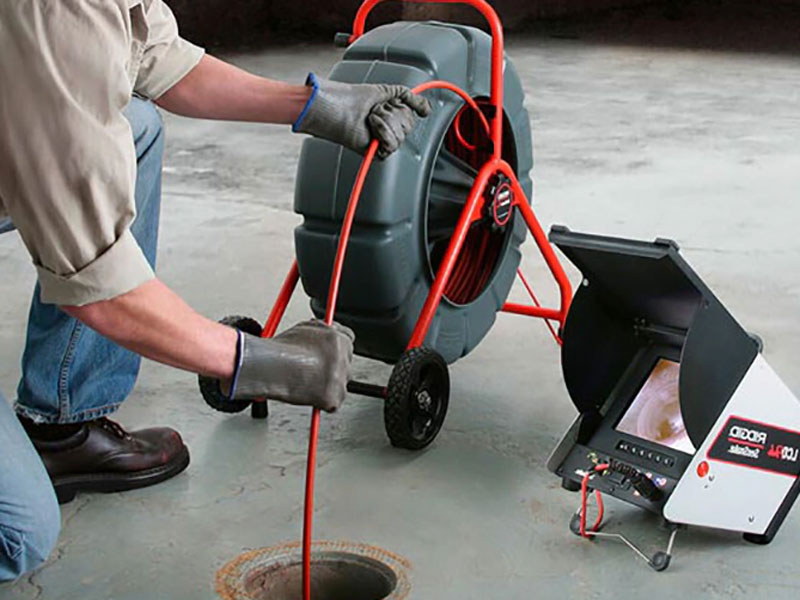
702, 469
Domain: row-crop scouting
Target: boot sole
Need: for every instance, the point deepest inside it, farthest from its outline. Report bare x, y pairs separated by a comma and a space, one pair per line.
67, 486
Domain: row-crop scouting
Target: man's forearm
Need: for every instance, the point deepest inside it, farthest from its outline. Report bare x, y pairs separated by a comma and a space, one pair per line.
215, 89
153, 321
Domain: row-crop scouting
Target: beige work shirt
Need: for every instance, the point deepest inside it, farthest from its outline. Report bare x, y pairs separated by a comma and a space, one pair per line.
68, 68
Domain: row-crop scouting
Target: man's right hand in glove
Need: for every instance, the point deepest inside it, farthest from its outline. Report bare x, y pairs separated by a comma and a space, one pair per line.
307, 365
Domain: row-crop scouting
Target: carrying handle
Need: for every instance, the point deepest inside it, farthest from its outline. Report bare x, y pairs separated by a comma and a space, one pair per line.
481, 6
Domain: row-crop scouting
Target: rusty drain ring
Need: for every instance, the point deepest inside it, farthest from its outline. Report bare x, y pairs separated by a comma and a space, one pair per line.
232, 579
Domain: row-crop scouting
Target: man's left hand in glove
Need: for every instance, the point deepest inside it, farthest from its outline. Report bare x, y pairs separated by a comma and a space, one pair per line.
353, 114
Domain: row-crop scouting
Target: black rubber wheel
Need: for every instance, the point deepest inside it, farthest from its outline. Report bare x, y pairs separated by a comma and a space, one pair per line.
417, 397
660, 561
209, 387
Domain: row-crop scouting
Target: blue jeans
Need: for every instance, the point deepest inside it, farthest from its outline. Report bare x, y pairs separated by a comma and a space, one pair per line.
29, 515
70, 374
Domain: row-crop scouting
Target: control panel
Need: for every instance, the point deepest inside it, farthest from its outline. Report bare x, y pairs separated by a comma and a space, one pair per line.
625, 479
654, 457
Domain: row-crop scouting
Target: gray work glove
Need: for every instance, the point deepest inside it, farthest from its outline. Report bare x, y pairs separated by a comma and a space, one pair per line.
353, 114
306, 365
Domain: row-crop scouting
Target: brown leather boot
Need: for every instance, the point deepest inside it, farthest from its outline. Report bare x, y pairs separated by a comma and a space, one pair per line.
102, 457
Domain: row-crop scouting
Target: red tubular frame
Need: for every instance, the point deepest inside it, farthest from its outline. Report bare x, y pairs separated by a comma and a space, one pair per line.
473, 211
287, 289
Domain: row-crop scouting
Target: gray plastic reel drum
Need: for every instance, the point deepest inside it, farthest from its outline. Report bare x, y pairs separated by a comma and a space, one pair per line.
412, 200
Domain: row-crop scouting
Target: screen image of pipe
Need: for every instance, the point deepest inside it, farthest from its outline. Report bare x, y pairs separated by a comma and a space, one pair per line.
655, 413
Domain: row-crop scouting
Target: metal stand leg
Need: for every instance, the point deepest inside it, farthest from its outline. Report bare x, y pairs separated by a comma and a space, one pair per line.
659, 561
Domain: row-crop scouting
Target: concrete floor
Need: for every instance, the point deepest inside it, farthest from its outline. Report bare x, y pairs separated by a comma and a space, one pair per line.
696, 145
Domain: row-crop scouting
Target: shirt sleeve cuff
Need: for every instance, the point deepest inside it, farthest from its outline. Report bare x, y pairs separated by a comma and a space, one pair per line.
120, 269
174, 65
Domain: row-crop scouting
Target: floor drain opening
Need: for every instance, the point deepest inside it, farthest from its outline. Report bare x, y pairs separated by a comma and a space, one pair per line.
334, 576
339, 571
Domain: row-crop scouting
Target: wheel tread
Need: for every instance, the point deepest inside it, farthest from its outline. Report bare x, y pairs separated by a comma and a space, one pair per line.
395, 412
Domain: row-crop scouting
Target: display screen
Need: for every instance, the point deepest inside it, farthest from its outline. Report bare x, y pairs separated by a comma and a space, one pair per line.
655, 413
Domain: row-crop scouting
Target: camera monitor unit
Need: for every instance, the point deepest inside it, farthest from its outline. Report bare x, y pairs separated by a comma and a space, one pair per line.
678, 412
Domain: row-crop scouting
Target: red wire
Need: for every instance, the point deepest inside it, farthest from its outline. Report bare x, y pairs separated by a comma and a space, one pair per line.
476, 260
459, 135
308, 513
333, 292
484, 267
488, 268
584, 498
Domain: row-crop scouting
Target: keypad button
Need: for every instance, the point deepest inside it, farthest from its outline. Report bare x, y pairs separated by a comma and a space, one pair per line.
643, 453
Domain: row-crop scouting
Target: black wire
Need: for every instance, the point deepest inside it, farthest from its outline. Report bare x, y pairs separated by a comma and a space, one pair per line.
640, 482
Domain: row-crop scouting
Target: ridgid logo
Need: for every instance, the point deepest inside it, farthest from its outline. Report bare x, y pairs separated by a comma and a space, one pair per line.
758, 445
752, 436
746, 442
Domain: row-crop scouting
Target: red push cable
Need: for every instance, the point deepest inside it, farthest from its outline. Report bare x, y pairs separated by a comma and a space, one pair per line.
330, 309
333, 293
459, 135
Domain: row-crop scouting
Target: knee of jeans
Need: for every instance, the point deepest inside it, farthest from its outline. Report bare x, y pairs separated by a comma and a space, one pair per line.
27, 540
